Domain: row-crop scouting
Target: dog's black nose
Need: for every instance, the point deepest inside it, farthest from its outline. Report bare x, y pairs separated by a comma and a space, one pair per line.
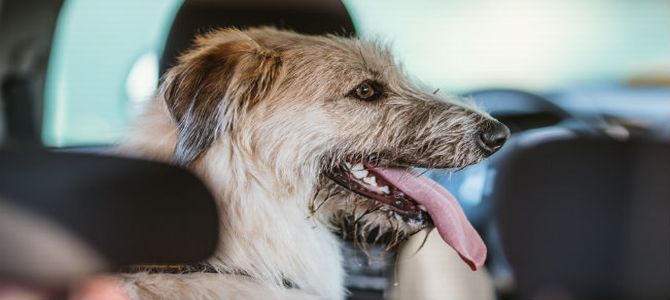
493, 137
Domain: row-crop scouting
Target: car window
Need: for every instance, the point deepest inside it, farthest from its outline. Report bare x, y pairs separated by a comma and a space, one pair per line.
104, 62
103, 66
532, 45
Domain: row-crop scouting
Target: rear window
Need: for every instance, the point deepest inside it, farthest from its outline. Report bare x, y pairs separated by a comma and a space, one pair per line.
104, 61
103, 67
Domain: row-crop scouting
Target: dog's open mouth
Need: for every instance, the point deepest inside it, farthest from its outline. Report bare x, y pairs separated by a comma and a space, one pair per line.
363, 178
416, 199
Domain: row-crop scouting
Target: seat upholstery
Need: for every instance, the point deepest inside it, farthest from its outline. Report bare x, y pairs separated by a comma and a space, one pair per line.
587, 218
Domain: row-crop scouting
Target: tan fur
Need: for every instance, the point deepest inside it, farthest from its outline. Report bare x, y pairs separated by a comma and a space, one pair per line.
262, 116
204, 286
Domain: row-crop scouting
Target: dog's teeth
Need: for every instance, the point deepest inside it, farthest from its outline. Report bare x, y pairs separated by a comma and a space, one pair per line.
385, 189
360, 174
357, 167
370, 180
421, 207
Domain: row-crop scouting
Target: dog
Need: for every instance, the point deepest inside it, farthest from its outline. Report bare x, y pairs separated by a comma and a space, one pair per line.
296, 135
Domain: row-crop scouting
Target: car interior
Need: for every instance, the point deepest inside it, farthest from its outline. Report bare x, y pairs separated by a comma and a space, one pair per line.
576, 205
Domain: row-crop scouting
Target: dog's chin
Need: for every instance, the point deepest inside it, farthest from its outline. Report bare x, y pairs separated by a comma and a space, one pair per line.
368, 220
372, 203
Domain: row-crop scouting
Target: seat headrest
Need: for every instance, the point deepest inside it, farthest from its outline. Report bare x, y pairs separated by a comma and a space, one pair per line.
304, 16
126, 211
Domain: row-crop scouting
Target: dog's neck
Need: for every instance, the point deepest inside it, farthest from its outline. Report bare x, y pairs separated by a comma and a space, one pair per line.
267, 231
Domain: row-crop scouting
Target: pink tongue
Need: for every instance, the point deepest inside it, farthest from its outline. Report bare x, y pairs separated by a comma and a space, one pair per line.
445, 211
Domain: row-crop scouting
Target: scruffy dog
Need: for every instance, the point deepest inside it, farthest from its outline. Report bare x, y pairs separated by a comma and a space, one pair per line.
295, 135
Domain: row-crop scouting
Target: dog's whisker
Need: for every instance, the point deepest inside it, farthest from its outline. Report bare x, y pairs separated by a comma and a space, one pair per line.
362, 215
423, 242
328, 196
423, 172
365, 62
312, 203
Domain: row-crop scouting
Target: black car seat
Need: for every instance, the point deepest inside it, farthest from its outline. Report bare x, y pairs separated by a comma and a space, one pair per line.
586, 217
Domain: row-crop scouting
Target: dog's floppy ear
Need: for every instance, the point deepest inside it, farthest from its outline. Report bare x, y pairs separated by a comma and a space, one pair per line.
224, 76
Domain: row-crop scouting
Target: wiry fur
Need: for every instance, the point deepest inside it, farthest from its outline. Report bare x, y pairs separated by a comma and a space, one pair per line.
262, 116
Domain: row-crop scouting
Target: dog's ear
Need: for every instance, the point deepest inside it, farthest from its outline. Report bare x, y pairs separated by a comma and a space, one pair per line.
224, 76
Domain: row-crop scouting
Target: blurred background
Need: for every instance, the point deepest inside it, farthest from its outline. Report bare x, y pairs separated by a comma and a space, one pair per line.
575, 206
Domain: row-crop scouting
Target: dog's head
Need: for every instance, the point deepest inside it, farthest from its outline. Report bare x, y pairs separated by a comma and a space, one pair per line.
336, 114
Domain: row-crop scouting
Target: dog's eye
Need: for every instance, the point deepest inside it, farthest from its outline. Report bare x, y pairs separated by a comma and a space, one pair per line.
367, 90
